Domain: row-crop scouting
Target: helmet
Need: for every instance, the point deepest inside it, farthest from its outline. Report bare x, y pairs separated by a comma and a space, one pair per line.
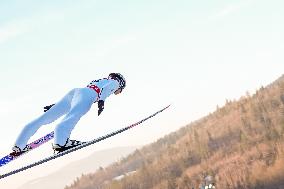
119, 78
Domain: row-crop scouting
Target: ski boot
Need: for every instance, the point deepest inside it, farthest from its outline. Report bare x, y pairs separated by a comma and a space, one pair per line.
17, 151
69, 144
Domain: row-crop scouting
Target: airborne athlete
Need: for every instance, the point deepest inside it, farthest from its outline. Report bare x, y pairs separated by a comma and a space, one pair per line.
73, 105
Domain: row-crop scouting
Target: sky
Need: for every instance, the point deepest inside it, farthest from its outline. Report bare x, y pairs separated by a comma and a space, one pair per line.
191, 54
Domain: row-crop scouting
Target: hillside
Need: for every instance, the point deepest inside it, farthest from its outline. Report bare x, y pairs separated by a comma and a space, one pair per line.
66, 174
240, 145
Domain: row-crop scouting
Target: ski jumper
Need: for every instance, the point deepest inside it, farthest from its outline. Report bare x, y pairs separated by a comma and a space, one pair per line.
73, 105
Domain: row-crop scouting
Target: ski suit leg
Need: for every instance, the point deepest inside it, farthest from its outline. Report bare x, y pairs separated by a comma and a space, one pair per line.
80, 105
55, 112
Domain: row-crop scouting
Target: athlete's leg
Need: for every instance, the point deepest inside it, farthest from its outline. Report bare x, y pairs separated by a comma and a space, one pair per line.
80, 105
59, 109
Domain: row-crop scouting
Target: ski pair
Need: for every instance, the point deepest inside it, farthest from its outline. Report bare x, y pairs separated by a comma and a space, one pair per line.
8, 158
49, 136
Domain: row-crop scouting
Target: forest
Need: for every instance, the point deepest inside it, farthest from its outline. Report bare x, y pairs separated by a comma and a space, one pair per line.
240, 145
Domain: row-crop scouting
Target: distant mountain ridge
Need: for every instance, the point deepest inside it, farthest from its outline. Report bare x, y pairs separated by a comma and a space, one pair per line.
240, 145
70, 172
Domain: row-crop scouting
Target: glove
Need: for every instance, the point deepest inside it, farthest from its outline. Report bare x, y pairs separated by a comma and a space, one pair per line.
47, 107
101, 106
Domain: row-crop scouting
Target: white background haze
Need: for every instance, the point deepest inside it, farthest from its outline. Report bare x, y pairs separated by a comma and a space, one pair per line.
191, 54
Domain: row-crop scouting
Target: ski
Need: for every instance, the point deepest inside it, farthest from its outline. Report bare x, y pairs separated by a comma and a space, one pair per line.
8, 158
81, 146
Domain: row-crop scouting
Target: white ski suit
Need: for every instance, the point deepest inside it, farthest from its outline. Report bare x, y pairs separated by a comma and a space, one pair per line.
73, 105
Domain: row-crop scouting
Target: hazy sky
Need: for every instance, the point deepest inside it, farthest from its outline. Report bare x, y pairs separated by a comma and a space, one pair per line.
191, 54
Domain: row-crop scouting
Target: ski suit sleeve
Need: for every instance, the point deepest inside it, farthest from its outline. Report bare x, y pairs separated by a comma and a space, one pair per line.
107, 90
